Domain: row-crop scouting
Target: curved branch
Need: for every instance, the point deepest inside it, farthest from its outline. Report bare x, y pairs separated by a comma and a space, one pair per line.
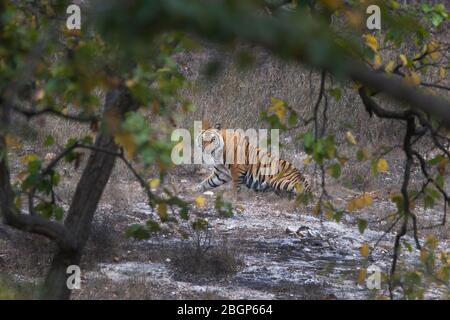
372, 107
31, 113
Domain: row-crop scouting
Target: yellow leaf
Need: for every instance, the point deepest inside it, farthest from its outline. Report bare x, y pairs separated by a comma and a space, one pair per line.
431, 241
126, 141
432, 49
200, 201
404, 60
423, 255
29, 158
413, 78
351, 206
130, 83
12, 142
432, 46
350, 138
371, 42
154, 183
389, 66
71, 32
278, 108
329, 214
162, 211
367, 199
442, 72
359, 203
364, 250
307, 160
354, 17
394, 4
362, 276
382, 165
332, 4
443, 257
357, 85
377, 62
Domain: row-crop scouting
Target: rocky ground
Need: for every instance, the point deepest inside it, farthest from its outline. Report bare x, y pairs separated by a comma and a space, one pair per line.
269, 249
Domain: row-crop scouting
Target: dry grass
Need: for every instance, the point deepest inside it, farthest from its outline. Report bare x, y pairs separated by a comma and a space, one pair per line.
104, 289
201, 256
103, 241
13, 289
235, 97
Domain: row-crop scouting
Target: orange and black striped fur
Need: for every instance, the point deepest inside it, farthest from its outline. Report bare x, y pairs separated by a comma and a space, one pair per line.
244, 169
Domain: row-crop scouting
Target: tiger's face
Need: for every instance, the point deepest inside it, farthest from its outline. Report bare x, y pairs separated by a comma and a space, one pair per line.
212, 143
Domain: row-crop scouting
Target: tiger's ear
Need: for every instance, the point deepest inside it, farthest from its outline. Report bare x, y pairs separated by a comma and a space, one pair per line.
205, 125
218, 126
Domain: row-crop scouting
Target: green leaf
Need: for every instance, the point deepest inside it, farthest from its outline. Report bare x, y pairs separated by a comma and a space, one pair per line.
335, 170
336, 93
49, 141
338, 215
408, 246
374, 167
362, 225
437, 19
184, 213
440, 181
55, 179
308, 141
362, 154
292, 119
153, 226
200, 224
45, 209
58, 213
137, 231
436, 160
426, 7
428, 202
318, 151
87, 140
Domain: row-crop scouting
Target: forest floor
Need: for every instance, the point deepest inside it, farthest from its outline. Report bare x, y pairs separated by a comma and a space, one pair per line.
269, 249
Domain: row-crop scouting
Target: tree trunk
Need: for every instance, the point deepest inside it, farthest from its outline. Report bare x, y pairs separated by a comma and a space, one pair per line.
87, 196
55, 285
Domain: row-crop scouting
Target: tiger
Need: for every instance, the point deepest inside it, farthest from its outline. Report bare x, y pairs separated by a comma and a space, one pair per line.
251, 169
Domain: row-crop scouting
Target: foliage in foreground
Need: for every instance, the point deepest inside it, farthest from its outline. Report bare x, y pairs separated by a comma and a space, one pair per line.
124, 56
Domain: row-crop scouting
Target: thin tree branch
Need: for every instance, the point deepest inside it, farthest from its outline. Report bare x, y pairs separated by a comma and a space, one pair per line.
32, 113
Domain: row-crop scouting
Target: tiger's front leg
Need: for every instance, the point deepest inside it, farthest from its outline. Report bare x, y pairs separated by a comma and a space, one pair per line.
218, 177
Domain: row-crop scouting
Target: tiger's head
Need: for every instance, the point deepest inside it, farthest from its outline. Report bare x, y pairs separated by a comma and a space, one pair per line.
211, 142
